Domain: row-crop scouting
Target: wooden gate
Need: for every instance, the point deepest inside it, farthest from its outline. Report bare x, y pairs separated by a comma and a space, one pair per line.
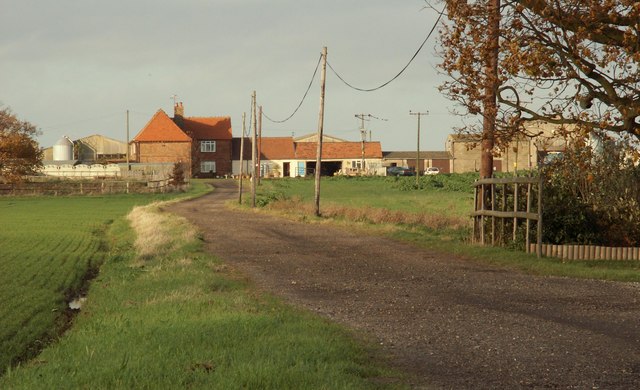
505, 210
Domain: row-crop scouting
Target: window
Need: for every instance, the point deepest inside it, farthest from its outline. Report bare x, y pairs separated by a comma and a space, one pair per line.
207, 166
356, 164
207, 146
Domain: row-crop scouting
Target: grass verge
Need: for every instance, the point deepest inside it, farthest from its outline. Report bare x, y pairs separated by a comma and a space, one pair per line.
163, 314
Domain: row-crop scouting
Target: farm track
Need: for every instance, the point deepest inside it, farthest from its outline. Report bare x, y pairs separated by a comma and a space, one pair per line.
447, 321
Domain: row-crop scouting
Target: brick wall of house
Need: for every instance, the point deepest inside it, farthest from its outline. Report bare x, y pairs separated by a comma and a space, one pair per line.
222, 157
156, 152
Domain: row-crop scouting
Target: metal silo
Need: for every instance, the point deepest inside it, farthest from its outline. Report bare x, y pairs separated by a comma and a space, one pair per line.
63, 149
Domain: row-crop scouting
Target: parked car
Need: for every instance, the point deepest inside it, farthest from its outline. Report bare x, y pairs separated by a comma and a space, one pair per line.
432, 171
400, 171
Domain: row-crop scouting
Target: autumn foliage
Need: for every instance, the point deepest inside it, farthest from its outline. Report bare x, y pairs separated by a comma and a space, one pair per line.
573, 63
20, 154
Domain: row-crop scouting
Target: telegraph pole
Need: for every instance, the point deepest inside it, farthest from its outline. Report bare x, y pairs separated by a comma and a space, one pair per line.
323, 76
419, 114
128, 163
253, 150
244, 115
259, 143
363, 133
363, 136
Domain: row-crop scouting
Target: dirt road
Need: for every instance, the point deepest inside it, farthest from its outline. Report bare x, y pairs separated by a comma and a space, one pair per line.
449, 322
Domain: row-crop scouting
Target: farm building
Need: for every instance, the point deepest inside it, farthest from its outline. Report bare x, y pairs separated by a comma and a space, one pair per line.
88, 157
437, 159
92, 149
522, 153
203, 144
293, 157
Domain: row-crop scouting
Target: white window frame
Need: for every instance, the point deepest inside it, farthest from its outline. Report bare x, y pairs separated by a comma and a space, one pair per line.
356, 164
211, 165
208, 146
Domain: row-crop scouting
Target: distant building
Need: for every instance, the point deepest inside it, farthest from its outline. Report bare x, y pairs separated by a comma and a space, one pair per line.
92, 149
293, 157
203, 144
427, 159
524, 152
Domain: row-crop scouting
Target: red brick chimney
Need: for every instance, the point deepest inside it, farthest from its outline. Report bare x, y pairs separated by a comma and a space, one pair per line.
178, 114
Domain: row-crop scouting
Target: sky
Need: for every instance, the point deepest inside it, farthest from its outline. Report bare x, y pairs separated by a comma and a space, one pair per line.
74, 67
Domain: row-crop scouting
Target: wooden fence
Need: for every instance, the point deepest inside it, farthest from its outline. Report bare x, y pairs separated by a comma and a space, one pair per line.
587, 252
73, 187
505, 210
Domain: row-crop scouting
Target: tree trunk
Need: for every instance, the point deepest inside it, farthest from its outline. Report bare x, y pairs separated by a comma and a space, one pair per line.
491, 87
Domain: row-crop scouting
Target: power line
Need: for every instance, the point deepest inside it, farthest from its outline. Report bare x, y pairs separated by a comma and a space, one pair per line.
303, 97
401, 71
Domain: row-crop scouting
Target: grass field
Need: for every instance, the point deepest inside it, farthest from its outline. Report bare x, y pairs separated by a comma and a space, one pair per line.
48, 247
162, 314
453, 198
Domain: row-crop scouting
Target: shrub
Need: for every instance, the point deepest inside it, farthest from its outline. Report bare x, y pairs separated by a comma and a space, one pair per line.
593, 198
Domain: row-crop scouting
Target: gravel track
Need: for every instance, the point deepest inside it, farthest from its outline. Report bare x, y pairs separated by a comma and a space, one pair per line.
446, 321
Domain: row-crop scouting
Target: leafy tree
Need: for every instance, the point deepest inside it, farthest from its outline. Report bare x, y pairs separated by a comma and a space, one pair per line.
20, 154
573, 63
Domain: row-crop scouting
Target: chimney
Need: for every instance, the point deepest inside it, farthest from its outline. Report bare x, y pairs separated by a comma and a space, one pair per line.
178, 114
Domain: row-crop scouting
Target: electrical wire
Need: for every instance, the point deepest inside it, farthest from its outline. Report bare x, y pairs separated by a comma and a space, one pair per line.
401, 71
303, 97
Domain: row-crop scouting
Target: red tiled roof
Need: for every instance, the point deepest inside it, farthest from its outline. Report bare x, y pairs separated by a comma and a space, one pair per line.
336, 150
161, 129
276, 148
212, 128
273, 148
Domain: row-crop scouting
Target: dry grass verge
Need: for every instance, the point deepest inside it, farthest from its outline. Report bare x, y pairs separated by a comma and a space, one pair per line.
156, 232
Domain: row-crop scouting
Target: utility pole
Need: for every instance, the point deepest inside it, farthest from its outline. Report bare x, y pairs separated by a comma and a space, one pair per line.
244, 115
363, 136
419, 114
253, 150
323, 76
259, 143
363, 133
128, 164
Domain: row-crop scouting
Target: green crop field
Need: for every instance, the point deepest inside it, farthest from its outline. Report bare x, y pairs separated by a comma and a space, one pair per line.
48, 247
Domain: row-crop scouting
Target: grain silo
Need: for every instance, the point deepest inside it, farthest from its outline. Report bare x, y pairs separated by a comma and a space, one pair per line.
63, 149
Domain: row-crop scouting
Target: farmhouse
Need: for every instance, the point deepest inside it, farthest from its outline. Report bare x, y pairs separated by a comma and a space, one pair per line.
202, 144
296, 157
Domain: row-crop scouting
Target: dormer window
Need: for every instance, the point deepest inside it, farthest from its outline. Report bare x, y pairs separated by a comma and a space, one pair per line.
207, 146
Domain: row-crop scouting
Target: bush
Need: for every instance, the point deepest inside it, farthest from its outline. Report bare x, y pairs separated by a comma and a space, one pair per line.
592, 198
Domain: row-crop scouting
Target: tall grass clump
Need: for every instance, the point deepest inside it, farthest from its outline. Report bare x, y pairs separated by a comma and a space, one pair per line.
163, 314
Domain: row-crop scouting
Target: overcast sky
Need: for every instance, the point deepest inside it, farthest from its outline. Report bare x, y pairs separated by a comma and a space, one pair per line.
73, 67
